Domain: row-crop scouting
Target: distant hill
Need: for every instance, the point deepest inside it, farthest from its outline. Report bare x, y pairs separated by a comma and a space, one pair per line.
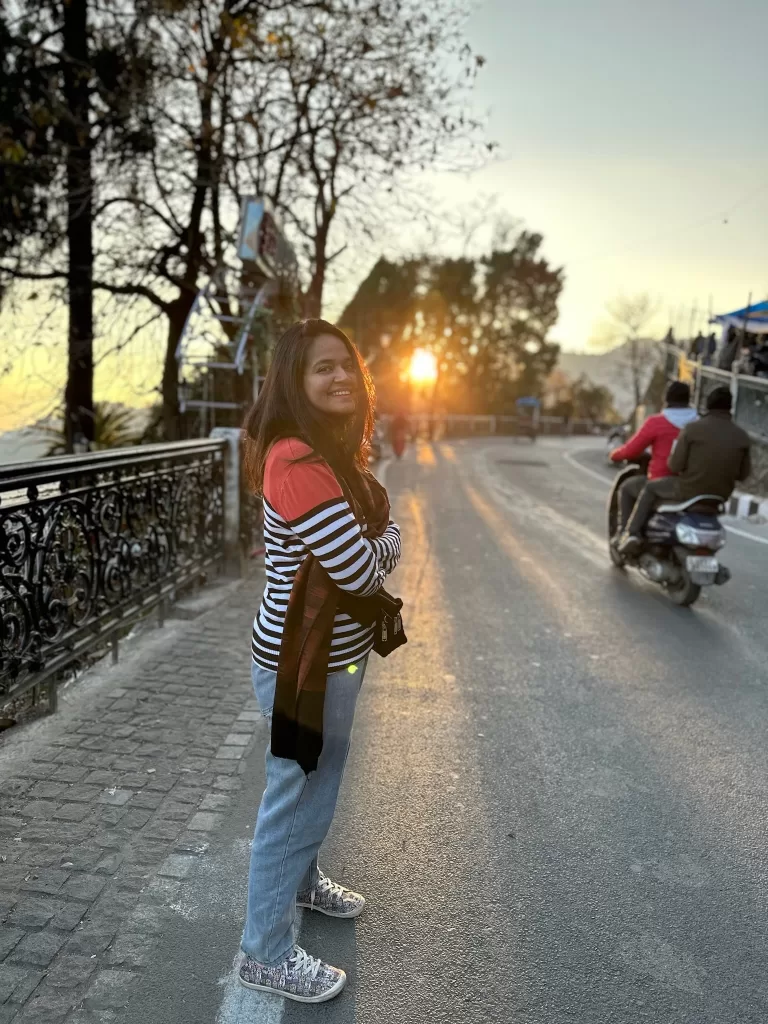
608, 369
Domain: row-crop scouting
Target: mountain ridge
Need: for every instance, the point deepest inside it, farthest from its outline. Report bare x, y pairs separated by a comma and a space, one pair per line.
610, 369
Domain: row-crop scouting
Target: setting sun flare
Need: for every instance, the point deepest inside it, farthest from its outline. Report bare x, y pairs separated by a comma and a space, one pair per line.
423, 368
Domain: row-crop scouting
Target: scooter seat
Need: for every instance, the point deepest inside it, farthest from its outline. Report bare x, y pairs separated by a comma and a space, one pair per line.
701, 503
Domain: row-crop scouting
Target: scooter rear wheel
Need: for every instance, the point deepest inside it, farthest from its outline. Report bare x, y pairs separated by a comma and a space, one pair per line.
686, 592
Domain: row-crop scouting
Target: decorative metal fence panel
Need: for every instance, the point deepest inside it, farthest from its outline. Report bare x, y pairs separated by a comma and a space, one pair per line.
90, 542
751, 410
708, 379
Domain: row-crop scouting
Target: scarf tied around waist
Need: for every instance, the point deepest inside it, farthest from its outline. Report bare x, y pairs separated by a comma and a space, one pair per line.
302, 668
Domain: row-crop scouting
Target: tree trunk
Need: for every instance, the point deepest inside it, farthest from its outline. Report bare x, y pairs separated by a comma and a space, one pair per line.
177, 316
180, 307
313, 299
78, 396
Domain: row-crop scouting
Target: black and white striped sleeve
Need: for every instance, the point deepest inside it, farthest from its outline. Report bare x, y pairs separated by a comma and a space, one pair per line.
387, 548
316, 511
331, 532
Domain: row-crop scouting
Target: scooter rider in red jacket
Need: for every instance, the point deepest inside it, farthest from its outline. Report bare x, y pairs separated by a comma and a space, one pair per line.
658, 433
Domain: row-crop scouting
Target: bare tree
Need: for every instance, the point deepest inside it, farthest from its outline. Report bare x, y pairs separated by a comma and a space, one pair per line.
168, 220
630, 319
316, 105
372, 101
68, 108
322, 105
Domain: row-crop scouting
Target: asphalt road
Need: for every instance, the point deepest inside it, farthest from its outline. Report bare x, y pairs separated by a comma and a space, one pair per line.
555, 800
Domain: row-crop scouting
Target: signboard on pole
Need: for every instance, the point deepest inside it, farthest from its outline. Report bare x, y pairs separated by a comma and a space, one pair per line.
261, 241
251, 213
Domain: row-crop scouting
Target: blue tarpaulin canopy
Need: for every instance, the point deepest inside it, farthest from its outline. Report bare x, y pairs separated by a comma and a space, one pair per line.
752, 318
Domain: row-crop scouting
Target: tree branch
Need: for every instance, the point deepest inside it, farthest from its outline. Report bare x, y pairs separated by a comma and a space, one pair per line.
30, 275
141, 290
120, 345
139, 204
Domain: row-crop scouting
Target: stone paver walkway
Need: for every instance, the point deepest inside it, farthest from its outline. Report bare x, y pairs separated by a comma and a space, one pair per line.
107, 806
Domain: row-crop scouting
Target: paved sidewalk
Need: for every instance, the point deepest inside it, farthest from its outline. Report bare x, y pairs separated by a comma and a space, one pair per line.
107, 809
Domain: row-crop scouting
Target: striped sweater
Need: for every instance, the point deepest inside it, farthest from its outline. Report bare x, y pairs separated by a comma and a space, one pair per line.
305, 511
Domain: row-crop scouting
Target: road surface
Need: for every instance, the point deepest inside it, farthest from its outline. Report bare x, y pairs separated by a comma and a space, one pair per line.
555, 800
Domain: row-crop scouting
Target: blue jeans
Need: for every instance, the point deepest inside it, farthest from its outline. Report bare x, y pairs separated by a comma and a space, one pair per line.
294, 817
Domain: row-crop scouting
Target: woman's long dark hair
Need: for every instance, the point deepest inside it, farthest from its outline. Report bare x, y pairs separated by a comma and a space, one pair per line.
283, 409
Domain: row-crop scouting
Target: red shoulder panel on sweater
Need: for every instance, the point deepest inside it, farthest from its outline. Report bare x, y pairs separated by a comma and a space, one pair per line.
293, 489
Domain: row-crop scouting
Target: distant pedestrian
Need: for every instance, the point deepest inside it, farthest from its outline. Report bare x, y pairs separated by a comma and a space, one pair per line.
730, 350
743, 362
711, 349
398, 434
698, 347
329, 545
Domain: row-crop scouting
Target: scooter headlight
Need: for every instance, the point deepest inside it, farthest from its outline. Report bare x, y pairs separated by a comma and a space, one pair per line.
687, 535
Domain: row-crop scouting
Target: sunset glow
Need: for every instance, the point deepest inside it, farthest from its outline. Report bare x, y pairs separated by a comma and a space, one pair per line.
423, 368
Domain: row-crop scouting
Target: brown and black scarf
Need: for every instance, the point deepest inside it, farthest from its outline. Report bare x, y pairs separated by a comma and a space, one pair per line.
302, 669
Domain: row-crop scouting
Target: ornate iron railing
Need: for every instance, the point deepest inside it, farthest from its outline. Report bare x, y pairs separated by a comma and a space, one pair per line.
705, 380
88, 543
751, 406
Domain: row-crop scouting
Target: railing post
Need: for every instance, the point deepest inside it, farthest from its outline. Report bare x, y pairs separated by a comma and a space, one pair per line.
697, 390
232, 436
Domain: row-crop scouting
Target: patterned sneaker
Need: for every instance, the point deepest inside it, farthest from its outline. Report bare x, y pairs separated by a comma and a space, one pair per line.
332, 899
301, 977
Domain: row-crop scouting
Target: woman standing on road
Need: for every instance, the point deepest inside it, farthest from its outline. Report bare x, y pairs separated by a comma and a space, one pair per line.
329, 545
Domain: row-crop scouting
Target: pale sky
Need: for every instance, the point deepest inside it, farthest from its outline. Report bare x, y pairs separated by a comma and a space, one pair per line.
630, 133
632, 136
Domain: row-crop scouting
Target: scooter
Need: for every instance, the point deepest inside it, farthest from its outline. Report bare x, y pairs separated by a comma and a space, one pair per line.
679, 545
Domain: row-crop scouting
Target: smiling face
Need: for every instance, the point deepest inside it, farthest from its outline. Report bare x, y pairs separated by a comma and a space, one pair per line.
331, 380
